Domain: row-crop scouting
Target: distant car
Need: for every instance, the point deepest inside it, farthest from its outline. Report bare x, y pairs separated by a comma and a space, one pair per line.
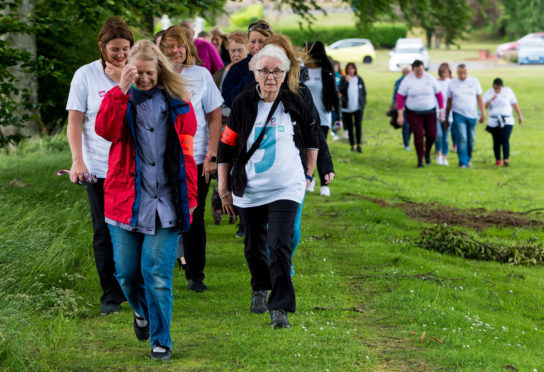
352, 50
407, 51
513, 46
531, 51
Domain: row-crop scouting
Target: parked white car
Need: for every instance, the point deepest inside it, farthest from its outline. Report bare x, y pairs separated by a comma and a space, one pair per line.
407, 51
531, 51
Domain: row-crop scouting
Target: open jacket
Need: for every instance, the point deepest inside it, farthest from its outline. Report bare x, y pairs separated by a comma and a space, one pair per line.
242, 119
344, 84
330, 98
115, 122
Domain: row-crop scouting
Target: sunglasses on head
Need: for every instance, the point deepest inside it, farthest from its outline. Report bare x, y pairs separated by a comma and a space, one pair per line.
258, 26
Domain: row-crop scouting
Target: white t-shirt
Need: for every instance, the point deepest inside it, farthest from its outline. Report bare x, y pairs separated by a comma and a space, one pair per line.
420, 92
275, 170
315, 85
205, 98
463, 95
353, 95
444, 84
89, 86
500, 106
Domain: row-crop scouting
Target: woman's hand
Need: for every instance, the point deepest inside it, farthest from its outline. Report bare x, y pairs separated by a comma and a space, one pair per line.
113, 72
400, 119
338, 124
441, 115
128, 75
329, 177
77, 170
226, 202
208, 169
520, 119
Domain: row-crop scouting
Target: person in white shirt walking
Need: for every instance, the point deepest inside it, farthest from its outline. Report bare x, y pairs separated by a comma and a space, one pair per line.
352, 88
463, 95
442, 143
500, 101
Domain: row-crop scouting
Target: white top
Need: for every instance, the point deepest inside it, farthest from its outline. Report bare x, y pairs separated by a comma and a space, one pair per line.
444, 84
315, 85
205, 98
353, 95
419, 92
89, 86
275, 170
500, 106
463, 95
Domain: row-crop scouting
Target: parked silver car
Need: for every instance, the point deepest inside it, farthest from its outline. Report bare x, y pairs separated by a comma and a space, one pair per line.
407, 51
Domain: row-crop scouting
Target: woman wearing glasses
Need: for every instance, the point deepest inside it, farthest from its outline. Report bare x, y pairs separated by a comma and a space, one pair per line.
277, 176
240, 75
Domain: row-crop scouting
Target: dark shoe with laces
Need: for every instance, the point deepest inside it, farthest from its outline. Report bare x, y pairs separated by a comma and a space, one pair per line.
240, 232
142, 333
109, 308
196, 286
258, 302
278, 319
161, 355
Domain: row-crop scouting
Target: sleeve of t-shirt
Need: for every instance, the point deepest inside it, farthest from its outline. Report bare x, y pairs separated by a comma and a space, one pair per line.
211, 99
512, 97
77, 98
478, 87
488, 95
436, 86
403, 88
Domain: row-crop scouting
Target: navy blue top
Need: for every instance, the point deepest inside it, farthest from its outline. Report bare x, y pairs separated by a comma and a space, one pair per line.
237, 78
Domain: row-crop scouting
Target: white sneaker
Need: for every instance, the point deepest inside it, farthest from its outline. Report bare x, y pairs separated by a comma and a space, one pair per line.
445, 162
335, 137
346, 134
311, 186
325, 191
439, 160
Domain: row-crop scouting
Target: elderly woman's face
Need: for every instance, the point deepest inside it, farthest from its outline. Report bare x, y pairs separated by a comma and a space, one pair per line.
237, 51
174, 51
270, 75
148, 74
116, 51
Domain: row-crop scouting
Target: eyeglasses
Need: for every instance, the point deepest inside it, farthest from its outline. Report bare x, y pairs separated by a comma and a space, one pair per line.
258, 26
265, 73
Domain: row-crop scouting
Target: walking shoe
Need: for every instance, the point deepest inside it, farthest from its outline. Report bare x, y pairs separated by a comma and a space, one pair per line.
109, 308
325, 191
406, 148
311, 186
359, 148
335, 137
427, 159
445, 162
240, 231
506, 162
346, 134
420, 165
439, 160
498, 163
470, 164
278, 319
161, 353
141, 331
196, 286
258, 302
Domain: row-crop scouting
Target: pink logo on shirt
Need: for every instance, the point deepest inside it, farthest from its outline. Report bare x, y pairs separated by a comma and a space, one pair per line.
102, 93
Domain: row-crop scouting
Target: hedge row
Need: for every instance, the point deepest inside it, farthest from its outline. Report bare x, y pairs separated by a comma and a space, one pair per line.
381, 35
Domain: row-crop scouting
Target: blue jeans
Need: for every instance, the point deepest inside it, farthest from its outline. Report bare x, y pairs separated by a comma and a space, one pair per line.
406, 131
144, 268
465, 135
296, 233
442, 143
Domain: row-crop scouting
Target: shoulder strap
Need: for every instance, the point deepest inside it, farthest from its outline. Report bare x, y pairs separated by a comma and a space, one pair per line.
244, 158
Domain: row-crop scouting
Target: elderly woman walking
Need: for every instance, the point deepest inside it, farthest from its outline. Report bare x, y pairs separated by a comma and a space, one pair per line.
150, 188
420, 92
272, 140
500, 101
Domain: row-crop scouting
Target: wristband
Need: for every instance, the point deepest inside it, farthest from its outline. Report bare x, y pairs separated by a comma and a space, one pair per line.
224, 196
309, 178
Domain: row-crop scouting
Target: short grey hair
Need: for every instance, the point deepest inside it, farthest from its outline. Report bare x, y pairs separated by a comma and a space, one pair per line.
272, 51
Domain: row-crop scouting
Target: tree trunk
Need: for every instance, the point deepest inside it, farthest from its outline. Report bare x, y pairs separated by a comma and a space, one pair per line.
429, 35
25, 80
437, 39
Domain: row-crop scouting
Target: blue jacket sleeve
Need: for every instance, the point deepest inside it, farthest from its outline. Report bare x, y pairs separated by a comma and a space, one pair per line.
235, 81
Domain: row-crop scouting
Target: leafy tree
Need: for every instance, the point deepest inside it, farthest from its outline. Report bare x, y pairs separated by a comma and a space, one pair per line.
523, 16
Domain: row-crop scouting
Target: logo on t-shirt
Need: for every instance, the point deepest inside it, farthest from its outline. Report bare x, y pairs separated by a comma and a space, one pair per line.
102, 93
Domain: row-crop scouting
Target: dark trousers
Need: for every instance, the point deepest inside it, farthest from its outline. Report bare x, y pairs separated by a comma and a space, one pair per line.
102, 246
268, 250
354, 119
422, 126
501, 138
321, 172
194, 241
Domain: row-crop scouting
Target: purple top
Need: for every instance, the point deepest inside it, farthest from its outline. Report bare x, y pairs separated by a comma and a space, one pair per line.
209, 55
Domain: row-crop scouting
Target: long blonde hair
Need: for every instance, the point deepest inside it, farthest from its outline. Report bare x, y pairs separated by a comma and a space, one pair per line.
293, 75
168, 80
180, 35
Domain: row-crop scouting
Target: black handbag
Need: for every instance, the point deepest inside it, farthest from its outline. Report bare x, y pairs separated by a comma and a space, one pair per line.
238, 174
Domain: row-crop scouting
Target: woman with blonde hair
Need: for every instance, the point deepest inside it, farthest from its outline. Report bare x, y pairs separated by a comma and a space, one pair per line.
150, 188
206, 100
442, 143
219, 39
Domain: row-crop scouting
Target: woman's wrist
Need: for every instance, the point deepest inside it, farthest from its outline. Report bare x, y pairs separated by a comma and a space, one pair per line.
309, 177
223, 196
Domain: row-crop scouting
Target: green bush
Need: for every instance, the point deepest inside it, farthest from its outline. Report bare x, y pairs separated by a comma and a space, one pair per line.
246, 16
381, 35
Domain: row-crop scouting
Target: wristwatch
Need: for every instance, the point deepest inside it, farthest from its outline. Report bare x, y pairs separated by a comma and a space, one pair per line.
213, 159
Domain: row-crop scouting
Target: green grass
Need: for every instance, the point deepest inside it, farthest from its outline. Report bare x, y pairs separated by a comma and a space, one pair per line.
359, 297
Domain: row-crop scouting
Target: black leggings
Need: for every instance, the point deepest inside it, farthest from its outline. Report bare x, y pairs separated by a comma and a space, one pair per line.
501, 137
354, 119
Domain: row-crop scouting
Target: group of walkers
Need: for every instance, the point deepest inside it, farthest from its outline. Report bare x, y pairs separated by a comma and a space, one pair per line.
429, 108
156, 121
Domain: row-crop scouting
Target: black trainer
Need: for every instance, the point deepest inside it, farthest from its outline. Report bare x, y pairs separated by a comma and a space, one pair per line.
359, 149
258, 302
196, 286
161, 355
142, 333
278, 319
109, 308
427, 159
240, 232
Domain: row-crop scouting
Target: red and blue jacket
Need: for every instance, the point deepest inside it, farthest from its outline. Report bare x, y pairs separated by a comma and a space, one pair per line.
122, 188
